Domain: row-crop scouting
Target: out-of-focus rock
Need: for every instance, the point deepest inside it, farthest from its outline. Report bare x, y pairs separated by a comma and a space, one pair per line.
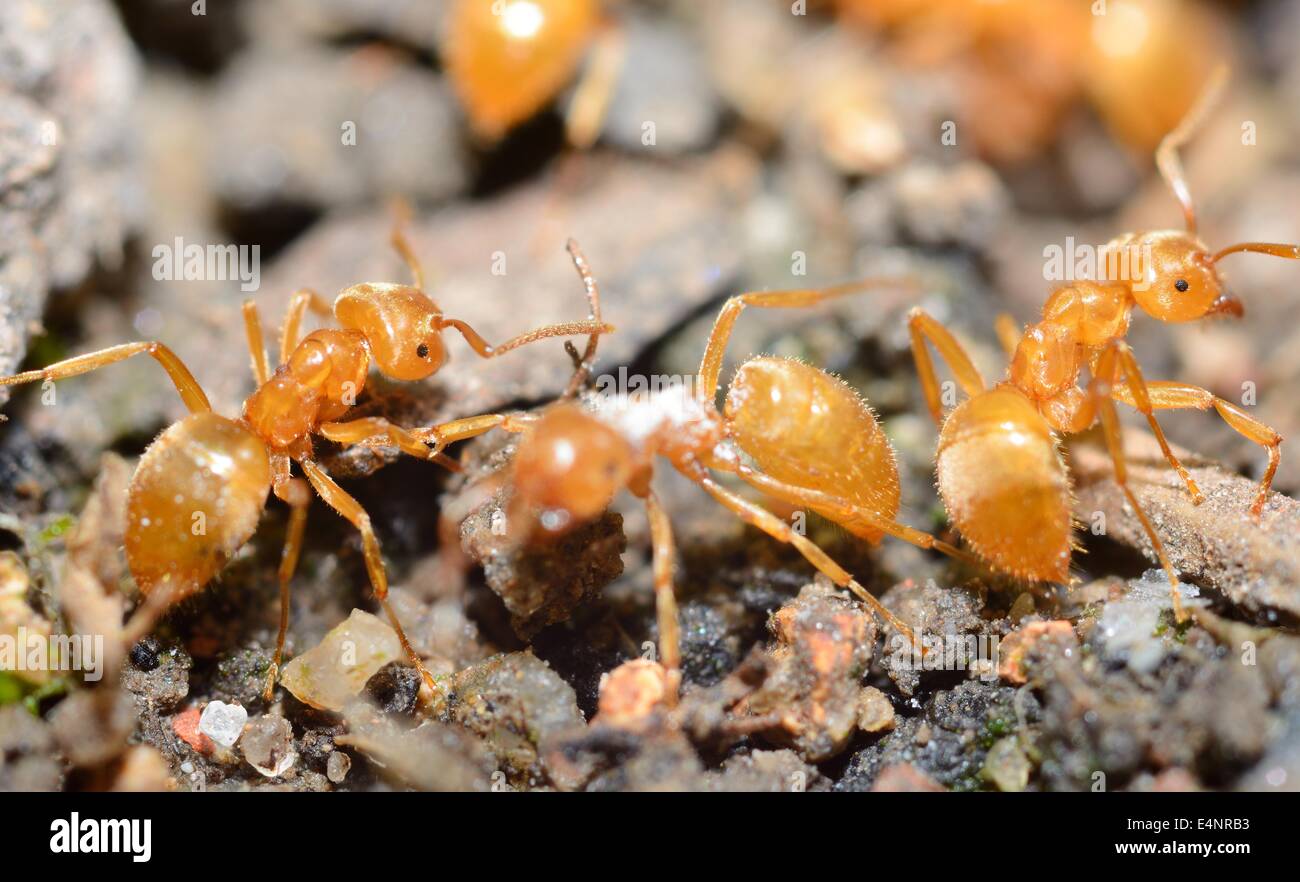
69, 74
290, 22
614, 760
518, 706
333, 129
543, 583
20, 625
962, 204
664, 100
432, 756
905, 778
1007, 766
823, 647
770, 771
91, 726
141, 769
27, 761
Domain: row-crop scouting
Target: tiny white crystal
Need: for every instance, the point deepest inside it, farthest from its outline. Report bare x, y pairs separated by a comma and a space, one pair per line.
223, 723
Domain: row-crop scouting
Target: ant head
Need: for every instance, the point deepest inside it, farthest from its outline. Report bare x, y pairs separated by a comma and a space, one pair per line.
1171, 274
569, 467
398, 322
1180, 279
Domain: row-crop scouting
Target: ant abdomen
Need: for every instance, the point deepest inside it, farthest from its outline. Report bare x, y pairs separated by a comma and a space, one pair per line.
810, 429
195, 498
1005, 485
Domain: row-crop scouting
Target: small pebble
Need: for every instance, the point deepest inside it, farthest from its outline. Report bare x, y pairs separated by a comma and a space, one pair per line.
223, 723
186, 726
875, 713
144, 655
331, 673
268, 746
1006, 766
338, 766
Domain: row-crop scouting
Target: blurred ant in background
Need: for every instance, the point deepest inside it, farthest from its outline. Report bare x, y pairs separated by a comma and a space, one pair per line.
507, 59
1021, 64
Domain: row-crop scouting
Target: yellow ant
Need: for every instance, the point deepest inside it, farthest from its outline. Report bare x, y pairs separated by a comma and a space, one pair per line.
793, 431
200, 488
1005, 485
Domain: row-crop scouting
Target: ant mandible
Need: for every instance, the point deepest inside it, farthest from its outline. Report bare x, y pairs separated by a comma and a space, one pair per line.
506, 59
793, 431
1000, 474
200, 488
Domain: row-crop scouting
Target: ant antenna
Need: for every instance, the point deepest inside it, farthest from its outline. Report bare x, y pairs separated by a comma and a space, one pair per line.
573, 354
401, 209
1291, 252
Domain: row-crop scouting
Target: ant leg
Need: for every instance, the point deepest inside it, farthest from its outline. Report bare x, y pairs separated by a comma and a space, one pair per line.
1167, 160
1099, 390
338, 499
1179, 396
256, 346
377, 430
471, 427
188, 388
590, 104
846, 513
1009, 333
922, 326
1136, 389
781, 531
293, 491
662, 548
801, 298
302, 299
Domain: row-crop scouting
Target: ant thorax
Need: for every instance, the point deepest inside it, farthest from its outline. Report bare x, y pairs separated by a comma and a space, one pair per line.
321, 381
662, 420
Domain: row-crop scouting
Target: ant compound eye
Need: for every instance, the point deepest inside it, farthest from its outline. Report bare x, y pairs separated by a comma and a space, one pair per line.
423, 350
1181, 285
